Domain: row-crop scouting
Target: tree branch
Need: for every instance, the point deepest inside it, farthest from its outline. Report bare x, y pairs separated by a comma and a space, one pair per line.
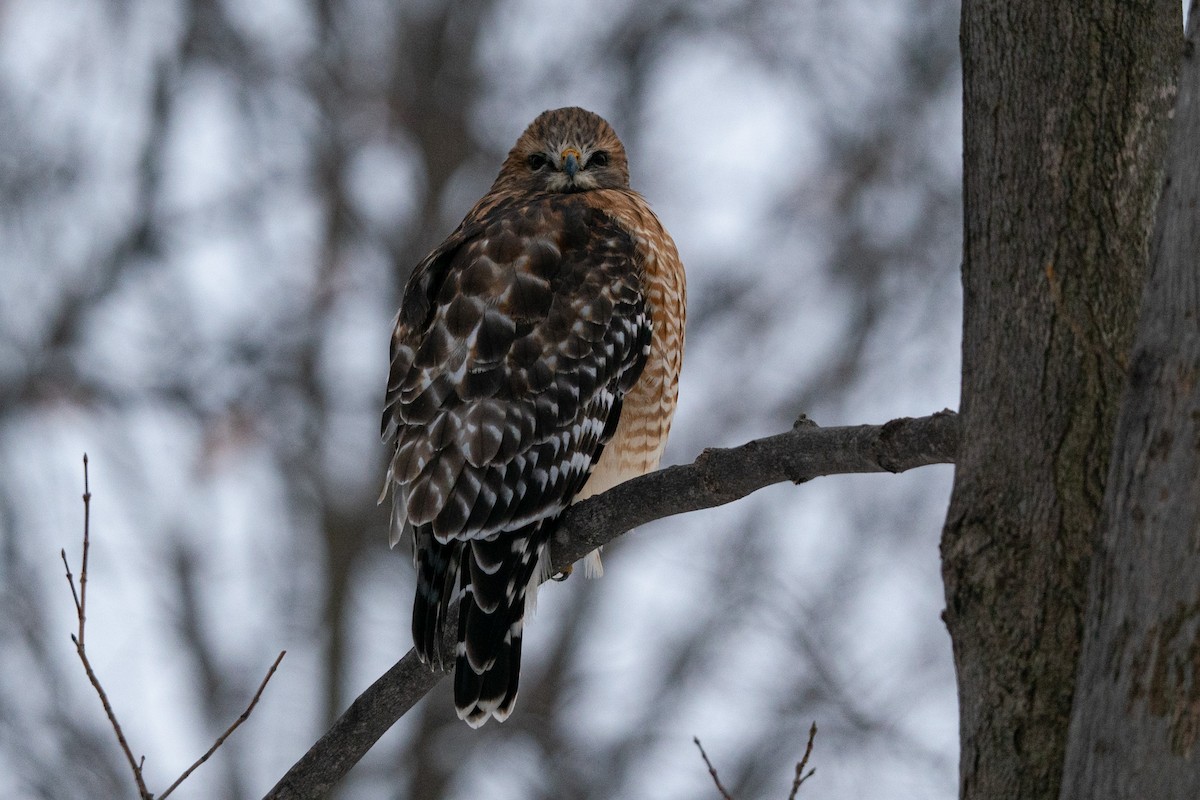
801, 775
245, 715
717, 477
78, 641
800, 778
712, 771
80, 598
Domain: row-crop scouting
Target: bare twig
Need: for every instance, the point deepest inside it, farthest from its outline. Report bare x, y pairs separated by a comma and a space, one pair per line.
80, 610
800, 776
143, 792
71, 580
87, 520
711, 769
81, 613
221, 739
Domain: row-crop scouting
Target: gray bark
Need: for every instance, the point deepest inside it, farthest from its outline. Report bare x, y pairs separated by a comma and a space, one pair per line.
1065, 107
1136, 720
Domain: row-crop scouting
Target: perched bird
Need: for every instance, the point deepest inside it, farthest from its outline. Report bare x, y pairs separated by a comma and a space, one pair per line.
535, 362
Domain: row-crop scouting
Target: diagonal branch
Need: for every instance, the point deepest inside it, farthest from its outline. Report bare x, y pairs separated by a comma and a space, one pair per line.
801, 775
712, 770
228, 731
717, 477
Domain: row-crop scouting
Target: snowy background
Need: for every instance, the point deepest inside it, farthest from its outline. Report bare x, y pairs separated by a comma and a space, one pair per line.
207, 213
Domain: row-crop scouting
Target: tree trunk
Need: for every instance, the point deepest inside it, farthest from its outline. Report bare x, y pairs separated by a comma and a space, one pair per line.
1065, 106
1136, 720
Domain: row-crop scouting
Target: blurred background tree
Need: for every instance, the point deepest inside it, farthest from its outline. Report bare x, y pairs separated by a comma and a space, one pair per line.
208, 210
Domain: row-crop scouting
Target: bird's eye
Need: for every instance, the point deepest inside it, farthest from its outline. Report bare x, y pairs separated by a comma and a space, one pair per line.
598, 159
536, 161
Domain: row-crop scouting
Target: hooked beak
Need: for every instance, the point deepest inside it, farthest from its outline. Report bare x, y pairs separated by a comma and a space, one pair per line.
570, 161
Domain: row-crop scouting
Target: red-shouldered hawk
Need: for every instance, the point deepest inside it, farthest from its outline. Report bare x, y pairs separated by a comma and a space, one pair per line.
535, 361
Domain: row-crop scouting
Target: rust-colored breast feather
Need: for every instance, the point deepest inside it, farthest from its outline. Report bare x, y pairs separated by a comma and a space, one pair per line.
641, 435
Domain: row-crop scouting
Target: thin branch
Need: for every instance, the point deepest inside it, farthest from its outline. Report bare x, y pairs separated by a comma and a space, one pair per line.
80, 611
800, 776
722, 475
221, 739
717, 477
71, 580
143, 792
711, 769
87, 521
80, 608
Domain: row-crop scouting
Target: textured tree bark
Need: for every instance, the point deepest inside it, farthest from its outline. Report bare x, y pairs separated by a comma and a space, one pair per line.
1065, 106
1136, 721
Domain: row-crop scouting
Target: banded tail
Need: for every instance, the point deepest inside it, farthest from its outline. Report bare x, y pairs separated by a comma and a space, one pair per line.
496, 583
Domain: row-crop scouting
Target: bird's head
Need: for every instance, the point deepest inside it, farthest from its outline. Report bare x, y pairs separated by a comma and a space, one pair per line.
565, 150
